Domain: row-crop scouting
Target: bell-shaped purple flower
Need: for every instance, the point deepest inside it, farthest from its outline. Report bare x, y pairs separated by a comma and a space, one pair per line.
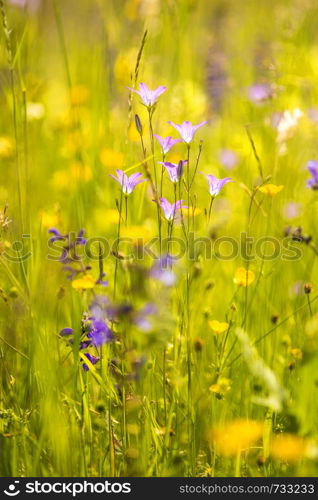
162, 270
170, 209
57, 236
142, 318
260, 92
312, 166
166, 143
187, 130
66, 331
215, 184
91, 358
228, 158
148, 97
128, 184
175, 170
99, 333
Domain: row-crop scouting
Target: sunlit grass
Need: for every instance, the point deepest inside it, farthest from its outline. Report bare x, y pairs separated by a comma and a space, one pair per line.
205, 368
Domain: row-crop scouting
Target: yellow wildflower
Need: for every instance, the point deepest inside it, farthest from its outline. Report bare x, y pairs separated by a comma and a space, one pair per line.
137, 234
270, 189
288, 447
6, 147
297, 354
49, 219
111, 158
84, 283
191, 211
79, 95
218, 327
236, 436
222, 386
243, 277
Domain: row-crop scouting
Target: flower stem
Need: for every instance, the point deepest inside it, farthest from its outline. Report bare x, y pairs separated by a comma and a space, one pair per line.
309, 306
196, 163
188, 184
210, 208
117, 243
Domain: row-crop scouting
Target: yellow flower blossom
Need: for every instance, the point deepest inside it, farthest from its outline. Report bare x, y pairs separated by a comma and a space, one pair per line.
297, 354
111, 158
218, 327
288, 447
77, 172
236, 436
222, 386
270, 189
79, 95
109, 217
192, 212
137, 234
49, 219
84, 283
243, 277
6, 147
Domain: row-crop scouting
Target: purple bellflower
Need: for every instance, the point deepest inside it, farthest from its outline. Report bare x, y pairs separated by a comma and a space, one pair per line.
260, 92
166, 143
71, 240
94, 333
228, 158
312, 166
175, 170
99, 332
142, 318
128, 184
215, 184
92, 359
187, 130
148, 97
66, 331
170, 209
162, 270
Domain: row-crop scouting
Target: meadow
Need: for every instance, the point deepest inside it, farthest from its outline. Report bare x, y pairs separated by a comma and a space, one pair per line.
158, 238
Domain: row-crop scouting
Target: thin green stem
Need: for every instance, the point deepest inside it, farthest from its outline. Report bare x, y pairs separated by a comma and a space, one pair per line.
117, 242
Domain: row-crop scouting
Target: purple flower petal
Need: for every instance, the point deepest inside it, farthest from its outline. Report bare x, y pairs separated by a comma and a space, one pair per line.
187, 130
66, 331
175, 170
148, 97
170, 209
215, 184
312, 166
128, 184
260, 92
166, 143
92, 359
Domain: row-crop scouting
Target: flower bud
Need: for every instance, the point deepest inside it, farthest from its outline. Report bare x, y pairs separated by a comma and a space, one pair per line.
138, 124
307, 288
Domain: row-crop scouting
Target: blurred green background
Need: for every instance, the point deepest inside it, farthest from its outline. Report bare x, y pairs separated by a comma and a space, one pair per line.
67, 122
